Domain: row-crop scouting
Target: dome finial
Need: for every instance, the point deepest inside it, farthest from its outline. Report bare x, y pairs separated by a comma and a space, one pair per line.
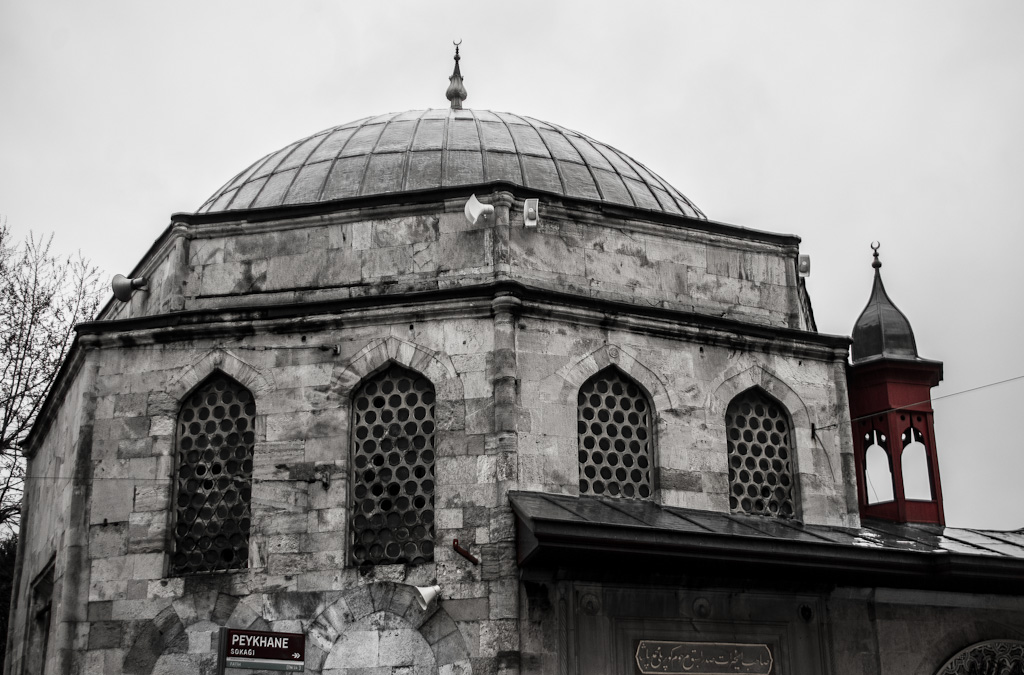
456, 92
882, 330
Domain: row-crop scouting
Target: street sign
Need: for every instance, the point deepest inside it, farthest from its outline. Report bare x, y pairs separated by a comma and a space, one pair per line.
256, 649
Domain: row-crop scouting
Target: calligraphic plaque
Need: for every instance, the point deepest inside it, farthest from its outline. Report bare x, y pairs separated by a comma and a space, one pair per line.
654, 657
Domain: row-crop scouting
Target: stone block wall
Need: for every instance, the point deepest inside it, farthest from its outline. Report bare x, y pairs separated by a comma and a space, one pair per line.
48, 515
506, 373
690, 386
657, 266
302, 383
395, 250
300, 496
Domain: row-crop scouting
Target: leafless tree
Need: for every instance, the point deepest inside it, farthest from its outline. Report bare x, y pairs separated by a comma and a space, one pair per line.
42, 296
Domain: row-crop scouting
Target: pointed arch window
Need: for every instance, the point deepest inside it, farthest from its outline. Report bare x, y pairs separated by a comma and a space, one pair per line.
614, 431
393, 469
215, 439
877, 468
760, 456
917, 483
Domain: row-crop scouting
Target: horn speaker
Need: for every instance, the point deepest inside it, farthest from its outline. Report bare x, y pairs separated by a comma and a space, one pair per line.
475, 210
124, 287
427, 596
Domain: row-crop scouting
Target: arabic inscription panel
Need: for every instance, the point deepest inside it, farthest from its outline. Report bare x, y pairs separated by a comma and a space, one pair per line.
666, 631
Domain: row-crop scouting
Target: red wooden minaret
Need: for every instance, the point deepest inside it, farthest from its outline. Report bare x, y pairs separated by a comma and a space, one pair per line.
891, 409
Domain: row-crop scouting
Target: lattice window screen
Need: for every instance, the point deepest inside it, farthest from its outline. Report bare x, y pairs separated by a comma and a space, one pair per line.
614, 429
393, 476
214, 482
760, 456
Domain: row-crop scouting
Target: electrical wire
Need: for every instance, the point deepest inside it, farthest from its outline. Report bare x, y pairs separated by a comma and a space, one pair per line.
927, 400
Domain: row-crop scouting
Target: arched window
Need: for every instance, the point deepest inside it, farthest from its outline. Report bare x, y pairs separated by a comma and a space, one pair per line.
877, 468
614, 430
917, 483
393, 469
760, 456
214, 480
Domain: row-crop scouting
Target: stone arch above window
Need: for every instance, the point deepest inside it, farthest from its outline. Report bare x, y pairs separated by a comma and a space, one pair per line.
759, 435
615, 432
565, 384
736, 379
393, 422
257, 381
213, 484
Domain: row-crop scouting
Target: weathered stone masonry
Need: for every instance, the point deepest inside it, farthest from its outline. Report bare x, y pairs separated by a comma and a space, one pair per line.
301, 303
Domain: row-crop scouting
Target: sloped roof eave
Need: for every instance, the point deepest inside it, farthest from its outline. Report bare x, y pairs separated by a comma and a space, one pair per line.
590, 535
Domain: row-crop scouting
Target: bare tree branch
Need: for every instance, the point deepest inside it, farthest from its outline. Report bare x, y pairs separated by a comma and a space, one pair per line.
42, 297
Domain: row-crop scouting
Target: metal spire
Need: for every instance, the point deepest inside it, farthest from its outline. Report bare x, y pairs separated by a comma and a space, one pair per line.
456, 92
874, 247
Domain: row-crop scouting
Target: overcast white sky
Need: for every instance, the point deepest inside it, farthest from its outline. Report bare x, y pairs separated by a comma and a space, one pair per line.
839, 122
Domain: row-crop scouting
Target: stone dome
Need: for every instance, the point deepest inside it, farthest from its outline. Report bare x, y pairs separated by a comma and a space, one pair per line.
430, 149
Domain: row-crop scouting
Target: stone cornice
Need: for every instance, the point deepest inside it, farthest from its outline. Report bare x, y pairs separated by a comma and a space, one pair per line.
411, 199
462, 302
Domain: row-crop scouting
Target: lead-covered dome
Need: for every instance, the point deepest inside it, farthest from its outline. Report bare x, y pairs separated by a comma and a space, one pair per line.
429, 149
882, 330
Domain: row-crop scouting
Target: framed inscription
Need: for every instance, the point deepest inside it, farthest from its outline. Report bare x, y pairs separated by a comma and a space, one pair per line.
654, 657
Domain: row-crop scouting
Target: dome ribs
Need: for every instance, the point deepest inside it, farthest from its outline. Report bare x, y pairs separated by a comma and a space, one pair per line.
463, 156
445, 148
554, 160
309, 168
383, 171
618, 165
341, 161
515, 144
240, 181
483, 147
408, 154
368, 155
498, 149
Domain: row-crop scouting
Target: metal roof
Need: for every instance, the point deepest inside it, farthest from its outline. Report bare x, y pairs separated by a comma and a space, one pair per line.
429, 149
882, 330
566, 530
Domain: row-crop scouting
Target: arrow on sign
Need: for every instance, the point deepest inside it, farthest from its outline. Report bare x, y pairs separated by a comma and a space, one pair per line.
296, 655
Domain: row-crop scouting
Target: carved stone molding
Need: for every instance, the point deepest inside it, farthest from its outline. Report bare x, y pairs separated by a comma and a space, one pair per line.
992, 657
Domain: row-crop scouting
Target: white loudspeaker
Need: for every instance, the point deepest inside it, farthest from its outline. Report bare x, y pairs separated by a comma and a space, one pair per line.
427, 596
475, 210
124, 287
531, 208
804, 265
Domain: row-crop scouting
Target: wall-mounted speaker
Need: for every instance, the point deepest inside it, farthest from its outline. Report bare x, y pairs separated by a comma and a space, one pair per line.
124, 287
427, 596
476, 210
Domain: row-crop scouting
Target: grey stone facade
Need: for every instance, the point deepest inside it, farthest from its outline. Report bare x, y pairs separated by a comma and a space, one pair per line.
506, 322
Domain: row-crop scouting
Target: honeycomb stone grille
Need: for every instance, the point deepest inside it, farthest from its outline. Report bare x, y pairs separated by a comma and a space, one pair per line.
760, 457
214, 479
614, 428
393, 459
